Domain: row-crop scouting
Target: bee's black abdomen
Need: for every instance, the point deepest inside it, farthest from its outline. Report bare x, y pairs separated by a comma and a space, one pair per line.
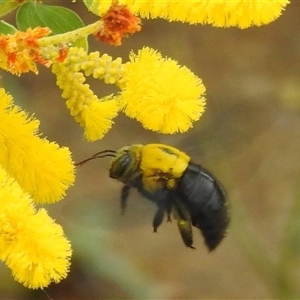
206, 202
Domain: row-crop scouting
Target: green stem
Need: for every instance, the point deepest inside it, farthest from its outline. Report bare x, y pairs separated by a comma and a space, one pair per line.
71, 35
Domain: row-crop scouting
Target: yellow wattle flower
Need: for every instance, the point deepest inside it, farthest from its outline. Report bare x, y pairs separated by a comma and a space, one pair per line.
162, 95
93, 114
220, 13
32, 245
42, 168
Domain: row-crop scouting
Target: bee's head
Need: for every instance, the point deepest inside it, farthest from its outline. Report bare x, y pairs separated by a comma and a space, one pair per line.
126, 162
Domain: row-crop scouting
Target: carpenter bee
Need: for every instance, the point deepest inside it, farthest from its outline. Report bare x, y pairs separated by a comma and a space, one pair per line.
179, 187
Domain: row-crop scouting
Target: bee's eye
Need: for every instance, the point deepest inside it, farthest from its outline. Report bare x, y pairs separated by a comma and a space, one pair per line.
120, 165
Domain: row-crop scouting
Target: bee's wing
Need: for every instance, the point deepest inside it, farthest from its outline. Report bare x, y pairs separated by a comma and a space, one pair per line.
222, 132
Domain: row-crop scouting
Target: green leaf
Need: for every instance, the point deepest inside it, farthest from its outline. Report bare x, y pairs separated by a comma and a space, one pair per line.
6, 6
92, 5
58, 19
6, 28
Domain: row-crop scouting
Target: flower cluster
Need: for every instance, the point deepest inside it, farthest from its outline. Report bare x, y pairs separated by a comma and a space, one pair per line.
92, 113
156, 91
220, 13
162, 95
31, 169
31, 244
43, 169
118, 21
19, 52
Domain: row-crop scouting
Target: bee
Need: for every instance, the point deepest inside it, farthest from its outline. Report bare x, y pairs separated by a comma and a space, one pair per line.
178, 187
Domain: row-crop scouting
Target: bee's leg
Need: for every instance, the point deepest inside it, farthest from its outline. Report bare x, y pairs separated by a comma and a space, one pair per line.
185, 230
124, 197
169, 211
183, 222
158, 217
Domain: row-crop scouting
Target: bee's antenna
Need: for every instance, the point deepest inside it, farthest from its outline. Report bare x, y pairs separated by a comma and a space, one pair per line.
100, 154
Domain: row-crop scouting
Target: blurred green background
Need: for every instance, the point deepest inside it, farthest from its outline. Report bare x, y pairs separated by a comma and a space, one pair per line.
249, 137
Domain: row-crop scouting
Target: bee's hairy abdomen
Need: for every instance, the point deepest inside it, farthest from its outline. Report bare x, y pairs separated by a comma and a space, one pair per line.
206, 203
